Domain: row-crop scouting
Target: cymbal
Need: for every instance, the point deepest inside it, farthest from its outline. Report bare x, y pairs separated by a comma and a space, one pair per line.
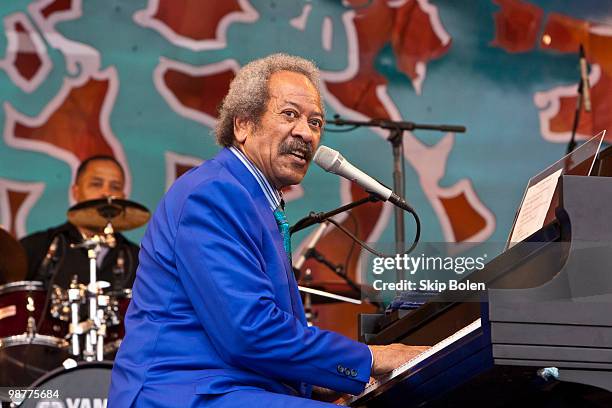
124, 215
13, 259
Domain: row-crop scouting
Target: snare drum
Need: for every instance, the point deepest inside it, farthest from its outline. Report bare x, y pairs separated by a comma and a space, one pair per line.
25, 354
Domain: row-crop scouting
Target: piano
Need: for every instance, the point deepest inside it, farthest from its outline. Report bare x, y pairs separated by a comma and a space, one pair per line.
541, 333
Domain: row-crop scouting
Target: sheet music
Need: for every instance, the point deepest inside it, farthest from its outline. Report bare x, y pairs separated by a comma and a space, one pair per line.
534, 207
476, 324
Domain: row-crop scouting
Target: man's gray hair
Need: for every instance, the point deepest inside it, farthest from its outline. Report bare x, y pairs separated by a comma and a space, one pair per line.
248, 95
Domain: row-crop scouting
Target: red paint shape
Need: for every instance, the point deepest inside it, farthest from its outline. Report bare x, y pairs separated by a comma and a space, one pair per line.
27, 62
565, 33
359, 94
57, 6
413, 38
590, 123
410, 31
562, 121
201, 93
75, 125
373, 25
15, 199
180, 169
464, 219
195, 19
517, 25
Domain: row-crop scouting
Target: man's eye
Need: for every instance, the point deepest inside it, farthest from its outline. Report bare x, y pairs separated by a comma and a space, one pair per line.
316, 123
290, 113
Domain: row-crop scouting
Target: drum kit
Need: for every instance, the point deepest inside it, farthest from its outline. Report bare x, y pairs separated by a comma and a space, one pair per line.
46, 333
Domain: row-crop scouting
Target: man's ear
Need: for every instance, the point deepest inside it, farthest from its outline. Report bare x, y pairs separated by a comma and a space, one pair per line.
75, 191
242, 129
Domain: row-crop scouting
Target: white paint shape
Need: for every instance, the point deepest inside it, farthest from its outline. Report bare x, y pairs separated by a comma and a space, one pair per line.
33, 190
80, 58
300, 21
327, 34
173, 159
13, 43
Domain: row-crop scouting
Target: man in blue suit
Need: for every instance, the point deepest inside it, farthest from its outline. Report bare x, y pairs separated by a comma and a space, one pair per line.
216, 319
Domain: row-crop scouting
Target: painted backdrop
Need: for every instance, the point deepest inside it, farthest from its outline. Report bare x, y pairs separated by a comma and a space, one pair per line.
141, 79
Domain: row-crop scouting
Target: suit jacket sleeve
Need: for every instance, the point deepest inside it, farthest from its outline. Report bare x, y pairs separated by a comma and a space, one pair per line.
222, 269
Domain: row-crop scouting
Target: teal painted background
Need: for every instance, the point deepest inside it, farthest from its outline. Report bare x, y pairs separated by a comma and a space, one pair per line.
473, 82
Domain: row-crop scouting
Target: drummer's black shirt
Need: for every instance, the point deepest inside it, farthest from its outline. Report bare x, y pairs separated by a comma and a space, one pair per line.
73, 261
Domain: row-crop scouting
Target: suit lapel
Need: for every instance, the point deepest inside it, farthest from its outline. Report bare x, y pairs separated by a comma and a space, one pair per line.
244, 177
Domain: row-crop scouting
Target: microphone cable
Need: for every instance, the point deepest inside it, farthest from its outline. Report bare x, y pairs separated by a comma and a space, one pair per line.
417, 234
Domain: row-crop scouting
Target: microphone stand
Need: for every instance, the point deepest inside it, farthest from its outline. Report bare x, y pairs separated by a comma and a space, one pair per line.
396, 133
337, 269
571, 145
316, 218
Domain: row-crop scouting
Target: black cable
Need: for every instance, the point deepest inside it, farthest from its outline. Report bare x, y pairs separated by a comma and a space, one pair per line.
350, 252
417, 235
51, 281
45, 310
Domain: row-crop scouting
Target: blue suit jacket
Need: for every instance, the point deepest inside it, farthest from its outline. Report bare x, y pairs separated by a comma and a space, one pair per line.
215, 305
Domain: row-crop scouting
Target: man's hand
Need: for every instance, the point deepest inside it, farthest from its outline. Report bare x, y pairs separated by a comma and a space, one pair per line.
387, 358
326, 395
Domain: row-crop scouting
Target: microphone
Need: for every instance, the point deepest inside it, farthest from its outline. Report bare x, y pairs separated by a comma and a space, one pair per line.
584, 76
333, 162
50, 254
316, 236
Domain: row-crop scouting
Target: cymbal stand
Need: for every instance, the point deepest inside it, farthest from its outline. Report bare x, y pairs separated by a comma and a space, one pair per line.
74, 297
96, 329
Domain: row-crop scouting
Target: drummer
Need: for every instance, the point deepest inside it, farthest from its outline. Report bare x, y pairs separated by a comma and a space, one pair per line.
50, 257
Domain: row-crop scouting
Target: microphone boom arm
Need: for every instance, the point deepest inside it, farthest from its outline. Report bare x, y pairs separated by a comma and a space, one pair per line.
316, 218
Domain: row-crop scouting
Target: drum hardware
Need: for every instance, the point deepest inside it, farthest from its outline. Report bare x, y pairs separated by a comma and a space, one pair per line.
105, 215
31, 329
94, 341
74, 297
35, 323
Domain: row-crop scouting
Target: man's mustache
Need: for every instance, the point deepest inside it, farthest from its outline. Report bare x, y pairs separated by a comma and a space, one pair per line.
297, 146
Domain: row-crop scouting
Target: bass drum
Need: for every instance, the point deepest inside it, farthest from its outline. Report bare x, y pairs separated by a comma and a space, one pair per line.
85, 385
25, 358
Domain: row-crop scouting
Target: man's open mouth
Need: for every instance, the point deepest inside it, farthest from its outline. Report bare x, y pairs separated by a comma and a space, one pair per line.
300, 155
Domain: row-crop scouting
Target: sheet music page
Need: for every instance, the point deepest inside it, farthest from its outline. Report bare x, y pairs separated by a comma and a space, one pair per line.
535, 206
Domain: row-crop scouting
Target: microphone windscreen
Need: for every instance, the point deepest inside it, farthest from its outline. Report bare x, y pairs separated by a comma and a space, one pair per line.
326, 157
